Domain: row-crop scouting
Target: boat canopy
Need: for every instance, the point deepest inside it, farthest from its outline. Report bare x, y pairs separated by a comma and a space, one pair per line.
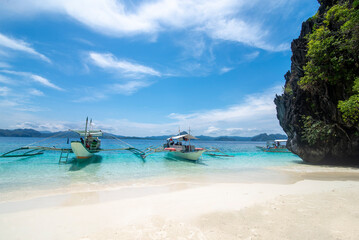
93, 133
184, 137
280, 140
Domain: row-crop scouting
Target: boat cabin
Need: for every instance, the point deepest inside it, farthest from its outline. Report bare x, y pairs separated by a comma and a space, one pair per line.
277, 144
180, 143
90, 139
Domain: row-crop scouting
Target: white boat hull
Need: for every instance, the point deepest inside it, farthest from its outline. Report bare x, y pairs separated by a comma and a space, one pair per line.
80, 151
193, 156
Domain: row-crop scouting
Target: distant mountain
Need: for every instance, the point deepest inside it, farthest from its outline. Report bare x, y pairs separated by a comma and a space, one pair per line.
19, 133
265, 137
69, 134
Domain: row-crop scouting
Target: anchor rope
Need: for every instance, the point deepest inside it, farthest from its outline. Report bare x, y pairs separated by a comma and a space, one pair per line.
122, 141
56, 135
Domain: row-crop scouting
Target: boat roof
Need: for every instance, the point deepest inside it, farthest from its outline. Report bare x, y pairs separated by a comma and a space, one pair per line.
182, 137
281, 140
93, 133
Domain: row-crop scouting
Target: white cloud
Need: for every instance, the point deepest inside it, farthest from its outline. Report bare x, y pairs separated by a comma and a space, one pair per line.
19, 45
251, 56
211, 130
41, 125
36, 92
44, 82
225, 70
110, 62
254, 115
4, 65
129, 87
257, 112
7, 103
5, 80
35, 78
219, 19
4, 91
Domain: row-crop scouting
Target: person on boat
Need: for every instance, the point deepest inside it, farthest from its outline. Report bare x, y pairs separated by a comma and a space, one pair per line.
82, 140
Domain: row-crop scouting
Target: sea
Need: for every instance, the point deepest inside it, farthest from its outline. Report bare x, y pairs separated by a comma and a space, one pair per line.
116, 168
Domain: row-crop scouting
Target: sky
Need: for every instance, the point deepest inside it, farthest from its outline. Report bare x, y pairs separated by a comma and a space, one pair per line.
146, 68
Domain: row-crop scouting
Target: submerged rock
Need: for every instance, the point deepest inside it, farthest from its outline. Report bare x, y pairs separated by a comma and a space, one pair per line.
310, 117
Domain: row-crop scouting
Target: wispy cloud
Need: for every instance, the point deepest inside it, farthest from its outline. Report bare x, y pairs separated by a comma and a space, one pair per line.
4, 91
129, 76
17, 100
251, 56
35, 78
256, 112
4, 65
5, 80
219, 19
110, 62
20, 45
44, 82
225, 70
129, 88
36, 92
254, 115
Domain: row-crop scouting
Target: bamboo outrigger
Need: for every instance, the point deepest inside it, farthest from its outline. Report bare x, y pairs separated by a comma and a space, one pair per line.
88, 145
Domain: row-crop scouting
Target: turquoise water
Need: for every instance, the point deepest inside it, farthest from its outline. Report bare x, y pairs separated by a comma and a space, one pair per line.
44, 171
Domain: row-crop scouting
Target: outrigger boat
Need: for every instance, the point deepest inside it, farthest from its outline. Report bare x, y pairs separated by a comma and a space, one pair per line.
180, 147
275, 146
88, 145
176, 147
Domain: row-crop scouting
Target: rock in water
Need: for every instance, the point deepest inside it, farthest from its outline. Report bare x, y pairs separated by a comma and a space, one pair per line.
316, 128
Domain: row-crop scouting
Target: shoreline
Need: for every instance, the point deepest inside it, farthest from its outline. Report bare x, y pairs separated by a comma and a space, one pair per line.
289, 174
171, 208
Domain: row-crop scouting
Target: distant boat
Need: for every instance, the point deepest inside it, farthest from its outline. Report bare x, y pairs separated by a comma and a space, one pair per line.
180, 147
275, 146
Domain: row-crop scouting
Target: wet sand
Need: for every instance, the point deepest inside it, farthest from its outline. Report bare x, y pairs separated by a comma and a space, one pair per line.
294, 202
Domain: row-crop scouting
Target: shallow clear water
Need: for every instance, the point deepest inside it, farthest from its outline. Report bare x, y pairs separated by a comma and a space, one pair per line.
44, 171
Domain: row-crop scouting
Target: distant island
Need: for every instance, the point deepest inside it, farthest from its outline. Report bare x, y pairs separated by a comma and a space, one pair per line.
68, 134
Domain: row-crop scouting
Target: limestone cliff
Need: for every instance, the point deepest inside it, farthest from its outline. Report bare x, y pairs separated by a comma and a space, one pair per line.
310, 116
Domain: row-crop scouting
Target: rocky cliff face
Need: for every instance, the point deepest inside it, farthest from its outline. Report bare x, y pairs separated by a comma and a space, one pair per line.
297, 108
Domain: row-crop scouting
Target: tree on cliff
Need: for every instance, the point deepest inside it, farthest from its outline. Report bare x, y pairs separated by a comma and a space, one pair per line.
319, 109
333, 57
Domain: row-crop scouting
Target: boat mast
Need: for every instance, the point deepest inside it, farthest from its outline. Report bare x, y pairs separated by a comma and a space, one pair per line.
87, 119
189, 138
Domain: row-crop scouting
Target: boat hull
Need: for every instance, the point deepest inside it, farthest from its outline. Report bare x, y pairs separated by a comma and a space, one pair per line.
193, 156
80, 151
277, 150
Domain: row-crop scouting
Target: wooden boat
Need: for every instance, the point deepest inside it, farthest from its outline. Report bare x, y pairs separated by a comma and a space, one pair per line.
88, 145
275, 146
180, 147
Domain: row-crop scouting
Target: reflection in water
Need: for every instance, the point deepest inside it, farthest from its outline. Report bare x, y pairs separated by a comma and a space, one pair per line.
78, 165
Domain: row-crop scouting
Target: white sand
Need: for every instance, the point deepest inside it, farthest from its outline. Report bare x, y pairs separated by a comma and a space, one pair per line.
307, 209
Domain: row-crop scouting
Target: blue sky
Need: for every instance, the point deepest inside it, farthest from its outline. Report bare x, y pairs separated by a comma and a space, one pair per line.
145, 68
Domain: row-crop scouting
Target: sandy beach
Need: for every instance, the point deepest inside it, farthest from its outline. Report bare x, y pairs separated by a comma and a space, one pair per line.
308, 202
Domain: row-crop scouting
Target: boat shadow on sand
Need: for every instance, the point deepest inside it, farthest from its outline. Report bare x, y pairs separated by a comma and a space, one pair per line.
78, 165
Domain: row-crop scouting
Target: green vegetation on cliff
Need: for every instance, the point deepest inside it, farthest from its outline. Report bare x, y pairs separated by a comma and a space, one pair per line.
333, 57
